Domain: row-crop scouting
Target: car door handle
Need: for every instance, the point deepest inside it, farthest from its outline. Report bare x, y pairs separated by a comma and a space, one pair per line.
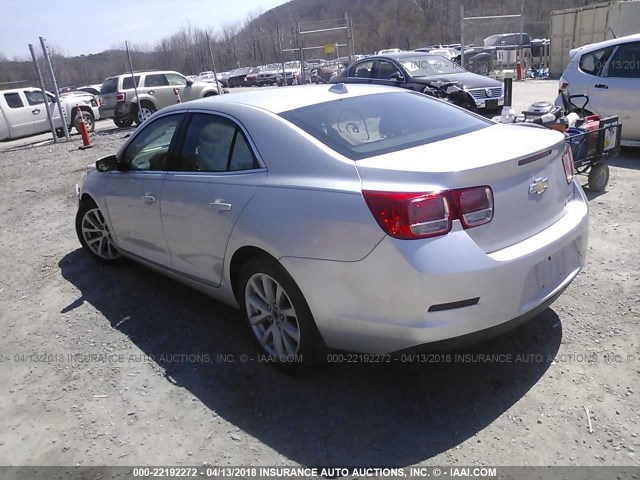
148, 198
35, 111
601, 85
221, 206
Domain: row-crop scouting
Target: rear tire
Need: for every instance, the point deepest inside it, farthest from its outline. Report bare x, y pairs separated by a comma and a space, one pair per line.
599, 177
123, 122
145, 111
277, 315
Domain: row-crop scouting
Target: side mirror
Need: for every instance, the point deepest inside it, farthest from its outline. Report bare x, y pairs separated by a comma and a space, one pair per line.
107, 164
397, 76
189, 82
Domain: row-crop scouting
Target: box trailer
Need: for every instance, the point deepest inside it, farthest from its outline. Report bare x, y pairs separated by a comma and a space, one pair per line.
576, 27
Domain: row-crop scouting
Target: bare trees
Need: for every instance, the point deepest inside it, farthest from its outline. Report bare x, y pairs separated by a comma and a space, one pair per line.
377, 24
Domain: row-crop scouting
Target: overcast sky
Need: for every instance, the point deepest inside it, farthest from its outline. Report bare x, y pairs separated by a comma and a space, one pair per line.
78, 27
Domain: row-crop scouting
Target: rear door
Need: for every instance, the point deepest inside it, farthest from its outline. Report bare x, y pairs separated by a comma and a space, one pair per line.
133, 194
19, 114
214, 176
617, 91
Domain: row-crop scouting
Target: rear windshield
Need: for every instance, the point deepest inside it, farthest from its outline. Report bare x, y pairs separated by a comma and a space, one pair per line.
370, 125
109, 86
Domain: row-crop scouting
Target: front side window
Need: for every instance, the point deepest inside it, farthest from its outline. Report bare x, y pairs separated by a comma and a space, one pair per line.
13, 100
383, 70
149, 149
370, 125
155, 80
361, 70
34, 97
214, 144
594, 62
428, 65
625, 63
176, 80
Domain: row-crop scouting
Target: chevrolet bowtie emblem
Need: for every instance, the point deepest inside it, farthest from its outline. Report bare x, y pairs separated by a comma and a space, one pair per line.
539, 186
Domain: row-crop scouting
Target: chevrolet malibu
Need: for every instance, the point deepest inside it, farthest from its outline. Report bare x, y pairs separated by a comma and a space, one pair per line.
356, 217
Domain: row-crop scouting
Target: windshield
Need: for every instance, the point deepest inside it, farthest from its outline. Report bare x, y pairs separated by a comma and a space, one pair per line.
427, 65
370, 125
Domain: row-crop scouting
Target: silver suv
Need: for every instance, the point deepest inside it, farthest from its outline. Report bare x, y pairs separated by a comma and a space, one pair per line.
156, 90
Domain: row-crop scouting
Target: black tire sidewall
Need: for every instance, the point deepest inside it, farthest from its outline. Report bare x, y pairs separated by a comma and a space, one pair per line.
310, 345
598, 170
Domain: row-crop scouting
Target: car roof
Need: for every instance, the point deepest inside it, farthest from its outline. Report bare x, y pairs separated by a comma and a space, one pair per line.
278, 100
21, 89
400, 55
607, 43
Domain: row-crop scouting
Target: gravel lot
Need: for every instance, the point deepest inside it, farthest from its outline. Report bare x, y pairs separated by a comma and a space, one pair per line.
156, 390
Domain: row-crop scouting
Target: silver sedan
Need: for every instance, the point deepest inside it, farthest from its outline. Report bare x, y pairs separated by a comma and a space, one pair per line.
359, 217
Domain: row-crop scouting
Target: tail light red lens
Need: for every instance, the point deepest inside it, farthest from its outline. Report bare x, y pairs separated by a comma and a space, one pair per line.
567, 163
475, 206
121, 97
423, 215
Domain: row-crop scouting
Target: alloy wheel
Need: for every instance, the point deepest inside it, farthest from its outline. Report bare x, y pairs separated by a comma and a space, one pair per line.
97, 236
272, 316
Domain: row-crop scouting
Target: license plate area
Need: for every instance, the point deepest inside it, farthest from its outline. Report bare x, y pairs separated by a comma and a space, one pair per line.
491, 104
550, 272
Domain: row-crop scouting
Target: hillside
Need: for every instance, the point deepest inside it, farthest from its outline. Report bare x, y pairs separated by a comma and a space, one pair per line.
377, 24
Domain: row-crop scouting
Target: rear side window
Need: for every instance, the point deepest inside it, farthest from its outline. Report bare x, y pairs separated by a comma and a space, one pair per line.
127, 82
13, 100
110, 85
594, 62
370, 125
626, 61
214, 144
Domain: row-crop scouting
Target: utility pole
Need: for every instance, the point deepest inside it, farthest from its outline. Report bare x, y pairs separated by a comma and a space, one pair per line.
135, 85
47, 60
213, 65
44, 92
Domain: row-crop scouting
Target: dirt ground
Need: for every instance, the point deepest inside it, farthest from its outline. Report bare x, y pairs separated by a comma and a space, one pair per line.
121, 366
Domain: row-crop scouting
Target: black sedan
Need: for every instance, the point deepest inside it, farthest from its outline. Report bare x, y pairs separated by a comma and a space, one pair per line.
418, 71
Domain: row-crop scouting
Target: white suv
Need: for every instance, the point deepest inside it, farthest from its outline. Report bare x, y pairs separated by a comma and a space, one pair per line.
609, 74
156, 90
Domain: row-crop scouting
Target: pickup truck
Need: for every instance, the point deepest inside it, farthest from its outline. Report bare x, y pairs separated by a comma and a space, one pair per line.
23, 113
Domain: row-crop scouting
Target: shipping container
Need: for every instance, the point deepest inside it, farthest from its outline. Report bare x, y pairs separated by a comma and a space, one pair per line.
576, 27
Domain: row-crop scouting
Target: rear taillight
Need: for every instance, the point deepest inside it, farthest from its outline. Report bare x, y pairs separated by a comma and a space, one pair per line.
562, 87
121, 97
567, 163
423, 215
475, 206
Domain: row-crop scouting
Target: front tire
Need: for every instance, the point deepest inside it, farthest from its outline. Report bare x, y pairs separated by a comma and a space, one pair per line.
278, 317
89, 121
94, 235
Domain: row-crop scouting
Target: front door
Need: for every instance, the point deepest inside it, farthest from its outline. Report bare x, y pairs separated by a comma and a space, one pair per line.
133, 193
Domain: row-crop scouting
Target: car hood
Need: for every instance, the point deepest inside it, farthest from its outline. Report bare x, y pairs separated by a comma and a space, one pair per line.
468, 79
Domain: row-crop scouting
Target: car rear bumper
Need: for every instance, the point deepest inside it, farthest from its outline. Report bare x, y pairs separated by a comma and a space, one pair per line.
409, 293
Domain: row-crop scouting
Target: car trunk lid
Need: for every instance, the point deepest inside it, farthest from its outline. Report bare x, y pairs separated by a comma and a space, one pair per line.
522, 165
